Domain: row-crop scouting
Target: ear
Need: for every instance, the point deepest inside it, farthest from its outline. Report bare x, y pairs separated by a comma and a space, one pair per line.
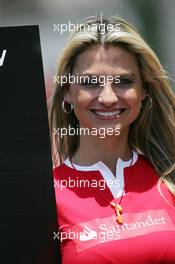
144, 94
144, 90
68, 96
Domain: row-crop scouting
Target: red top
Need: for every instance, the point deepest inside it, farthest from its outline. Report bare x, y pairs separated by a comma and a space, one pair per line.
89, 232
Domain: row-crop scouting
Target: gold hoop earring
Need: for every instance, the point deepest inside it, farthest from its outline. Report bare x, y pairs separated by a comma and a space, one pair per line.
64, 109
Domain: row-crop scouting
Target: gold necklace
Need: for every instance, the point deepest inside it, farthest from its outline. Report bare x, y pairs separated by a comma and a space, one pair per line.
116, 206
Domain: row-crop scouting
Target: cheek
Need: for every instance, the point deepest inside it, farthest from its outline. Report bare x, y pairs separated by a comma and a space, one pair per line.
132, 98
81, 99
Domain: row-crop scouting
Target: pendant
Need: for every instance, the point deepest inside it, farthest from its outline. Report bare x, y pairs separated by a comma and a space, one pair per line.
118, 211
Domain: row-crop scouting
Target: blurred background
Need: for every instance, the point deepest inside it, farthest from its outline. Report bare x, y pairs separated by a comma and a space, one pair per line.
154, 19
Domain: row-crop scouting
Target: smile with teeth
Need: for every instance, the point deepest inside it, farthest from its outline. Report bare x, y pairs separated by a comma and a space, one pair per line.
106, 114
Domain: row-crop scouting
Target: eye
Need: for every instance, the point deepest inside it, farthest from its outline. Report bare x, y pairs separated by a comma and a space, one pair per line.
90, 83
124, 82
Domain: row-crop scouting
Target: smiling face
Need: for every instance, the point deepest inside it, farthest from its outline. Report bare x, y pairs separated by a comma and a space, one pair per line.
114, 103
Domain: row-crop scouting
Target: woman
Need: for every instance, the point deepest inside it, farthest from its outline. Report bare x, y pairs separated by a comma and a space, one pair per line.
114, 193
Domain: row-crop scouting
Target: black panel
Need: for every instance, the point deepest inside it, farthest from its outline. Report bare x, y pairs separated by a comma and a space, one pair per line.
28, 213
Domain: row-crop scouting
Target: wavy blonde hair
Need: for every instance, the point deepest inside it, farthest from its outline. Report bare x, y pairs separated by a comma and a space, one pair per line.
153, 132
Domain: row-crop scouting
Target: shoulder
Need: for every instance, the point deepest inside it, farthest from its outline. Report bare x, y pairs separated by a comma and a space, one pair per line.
144, 163
62, 170
150, 174
145, 171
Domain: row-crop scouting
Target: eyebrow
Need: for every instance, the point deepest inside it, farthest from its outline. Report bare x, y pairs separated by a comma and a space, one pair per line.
128, 75
121, 75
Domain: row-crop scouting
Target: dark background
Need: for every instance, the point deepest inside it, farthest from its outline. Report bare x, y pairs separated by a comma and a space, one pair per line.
27, 200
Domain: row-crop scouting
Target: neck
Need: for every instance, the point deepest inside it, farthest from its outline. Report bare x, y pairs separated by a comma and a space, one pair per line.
93, 149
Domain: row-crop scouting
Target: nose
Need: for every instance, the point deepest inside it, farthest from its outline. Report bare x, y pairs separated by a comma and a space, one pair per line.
107, 96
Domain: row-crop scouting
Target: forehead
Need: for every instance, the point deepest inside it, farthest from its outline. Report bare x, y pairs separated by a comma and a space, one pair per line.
100, 58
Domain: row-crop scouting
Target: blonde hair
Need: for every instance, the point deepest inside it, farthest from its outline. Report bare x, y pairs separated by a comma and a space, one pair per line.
153, 132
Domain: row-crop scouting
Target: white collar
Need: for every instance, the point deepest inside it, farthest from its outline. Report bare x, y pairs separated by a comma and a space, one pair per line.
118, 182
96, 166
